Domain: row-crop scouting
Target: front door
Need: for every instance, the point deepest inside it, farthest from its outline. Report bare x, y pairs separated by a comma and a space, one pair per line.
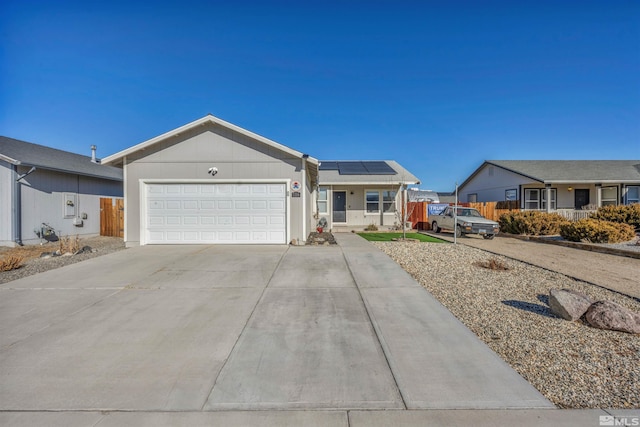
582, 198
339, 206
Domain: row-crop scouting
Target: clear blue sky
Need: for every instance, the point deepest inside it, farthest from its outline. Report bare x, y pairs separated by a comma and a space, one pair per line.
438, 86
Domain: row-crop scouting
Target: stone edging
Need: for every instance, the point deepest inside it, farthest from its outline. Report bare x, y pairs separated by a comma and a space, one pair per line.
576, 245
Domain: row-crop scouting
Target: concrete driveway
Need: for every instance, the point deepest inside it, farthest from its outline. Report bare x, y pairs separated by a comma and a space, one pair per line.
162, 329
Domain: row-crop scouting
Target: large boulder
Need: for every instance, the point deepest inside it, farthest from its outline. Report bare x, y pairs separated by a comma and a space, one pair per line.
609, 315
568, 304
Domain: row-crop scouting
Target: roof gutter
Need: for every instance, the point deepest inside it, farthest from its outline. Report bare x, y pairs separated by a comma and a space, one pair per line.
593, 181
16, 207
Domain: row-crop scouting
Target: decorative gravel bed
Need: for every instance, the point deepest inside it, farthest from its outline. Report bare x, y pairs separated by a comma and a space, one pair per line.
100, 245
570, 363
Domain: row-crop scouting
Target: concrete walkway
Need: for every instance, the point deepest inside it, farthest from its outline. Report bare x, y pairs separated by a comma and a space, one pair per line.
618, 273
236, 335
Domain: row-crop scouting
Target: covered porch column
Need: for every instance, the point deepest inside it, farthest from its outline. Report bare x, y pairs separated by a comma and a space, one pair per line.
598, 195
547, 190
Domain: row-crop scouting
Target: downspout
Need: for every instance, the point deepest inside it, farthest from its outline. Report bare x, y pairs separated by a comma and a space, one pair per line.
16, 204
304, 198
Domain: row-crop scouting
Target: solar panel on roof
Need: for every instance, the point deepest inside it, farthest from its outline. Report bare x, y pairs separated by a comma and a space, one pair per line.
352, 168
329, 166
379, 168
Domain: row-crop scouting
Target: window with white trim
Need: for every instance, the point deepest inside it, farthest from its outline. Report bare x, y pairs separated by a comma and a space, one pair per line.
609, 196
323, 201
633, 194
531, 198
554, 194
372, 200
388, 201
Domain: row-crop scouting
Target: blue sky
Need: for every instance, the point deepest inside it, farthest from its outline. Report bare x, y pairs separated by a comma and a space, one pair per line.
438, 86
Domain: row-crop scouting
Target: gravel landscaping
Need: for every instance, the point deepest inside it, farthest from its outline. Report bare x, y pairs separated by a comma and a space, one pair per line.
570, 363
100, 245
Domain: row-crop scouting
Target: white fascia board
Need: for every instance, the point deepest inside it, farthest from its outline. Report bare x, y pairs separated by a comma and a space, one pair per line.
369, 183
204, 120
9, 160
594, 181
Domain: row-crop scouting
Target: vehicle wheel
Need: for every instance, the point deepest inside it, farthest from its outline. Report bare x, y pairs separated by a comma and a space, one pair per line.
459, 232
488, 236
434, 227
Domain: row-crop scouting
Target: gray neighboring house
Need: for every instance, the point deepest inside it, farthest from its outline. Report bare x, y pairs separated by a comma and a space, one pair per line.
212, 182
355, 194
568, 184
40, 184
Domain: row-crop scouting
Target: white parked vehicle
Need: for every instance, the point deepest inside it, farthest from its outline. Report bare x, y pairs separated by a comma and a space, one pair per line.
468, 221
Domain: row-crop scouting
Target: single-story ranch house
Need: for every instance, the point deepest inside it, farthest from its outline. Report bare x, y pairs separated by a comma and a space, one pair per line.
210, 181
60, 189
567, 184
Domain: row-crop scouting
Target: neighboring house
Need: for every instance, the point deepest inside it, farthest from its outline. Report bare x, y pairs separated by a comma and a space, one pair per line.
355, 194
417, 195
210, 181
567, 184
43, 185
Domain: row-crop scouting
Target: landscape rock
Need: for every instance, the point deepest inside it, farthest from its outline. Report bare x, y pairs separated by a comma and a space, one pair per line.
609, 315
568, 304
84, 250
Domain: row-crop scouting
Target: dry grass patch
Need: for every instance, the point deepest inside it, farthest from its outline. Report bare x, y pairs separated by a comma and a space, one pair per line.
11, 263
493, 264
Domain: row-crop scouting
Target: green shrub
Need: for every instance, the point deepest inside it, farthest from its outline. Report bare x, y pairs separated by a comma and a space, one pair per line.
596, 231
533, 223
626, 214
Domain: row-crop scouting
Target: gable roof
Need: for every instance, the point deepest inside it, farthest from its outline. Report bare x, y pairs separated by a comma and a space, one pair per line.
550, 171
338, 172
24, 153
569, 171
118, 158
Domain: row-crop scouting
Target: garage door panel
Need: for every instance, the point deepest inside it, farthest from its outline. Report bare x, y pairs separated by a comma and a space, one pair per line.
216, 213
258, 204
243, 220
190, 204
276, 220
276, 205
242, 204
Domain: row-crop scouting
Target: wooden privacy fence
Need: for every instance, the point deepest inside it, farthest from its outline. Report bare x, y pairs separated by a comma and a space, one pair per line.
111, 217
419, 211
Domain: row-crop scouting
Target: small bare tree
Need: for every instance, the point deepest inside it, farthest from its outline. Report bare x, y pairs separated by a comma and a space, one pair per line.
405, 211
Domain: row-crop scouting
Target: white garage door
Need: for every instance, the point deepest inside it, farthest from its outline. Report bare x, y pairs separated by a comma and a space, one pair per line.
216, 213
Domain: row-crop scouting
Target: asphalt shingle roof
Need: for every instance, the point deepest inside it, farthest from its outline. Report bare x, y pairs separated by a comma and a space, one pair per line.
29, 154
573, 170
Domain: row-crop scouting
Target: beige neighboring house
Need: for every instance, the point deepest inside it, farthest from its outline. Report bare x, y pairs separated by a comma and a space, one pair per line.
355, 194
567, 184
211, 182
